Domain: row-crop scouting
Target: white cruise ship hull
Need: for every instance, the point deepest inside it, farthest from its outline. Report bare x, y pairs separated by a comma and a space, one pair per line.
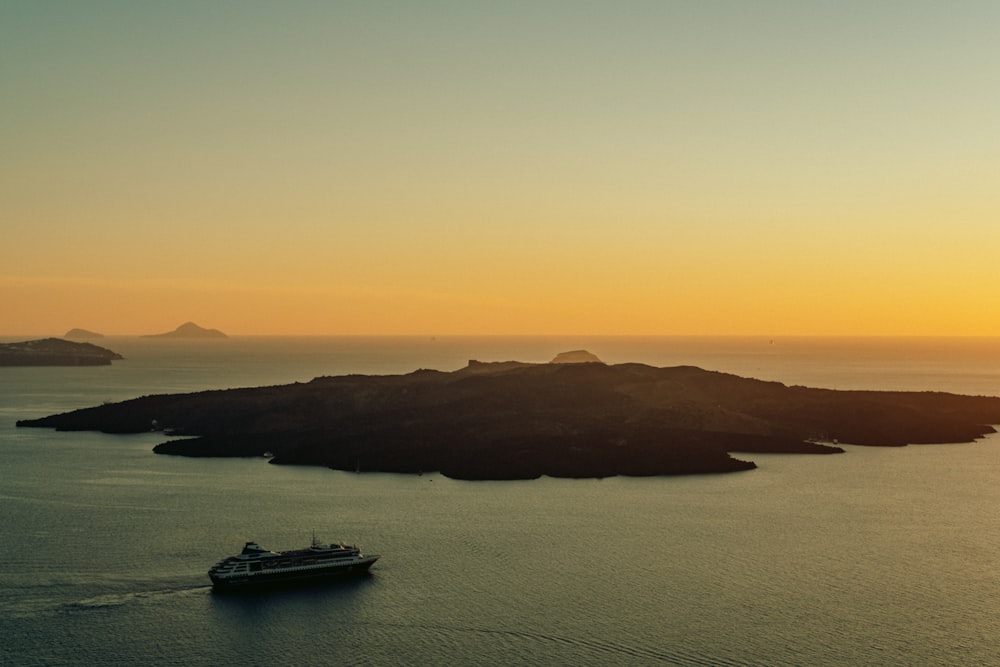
293, 575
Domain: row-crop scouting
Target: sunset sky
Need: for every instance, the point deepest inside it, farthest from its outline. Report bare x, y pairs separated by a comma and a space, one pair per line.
651, 167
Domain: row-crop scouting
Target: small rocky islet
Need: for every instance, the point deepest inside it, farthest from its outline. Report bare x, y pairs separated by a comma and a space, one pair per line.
574, 417
82, 334
189, 330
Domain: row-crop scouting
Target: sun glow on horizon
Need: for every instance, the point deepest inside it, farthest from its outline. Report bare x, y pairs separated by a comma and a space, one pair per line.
673, 169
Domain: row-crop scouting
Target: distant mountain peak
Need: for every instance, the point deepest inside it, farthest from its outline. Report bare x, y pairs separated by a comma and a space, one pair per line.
576, 357
82, 333
189, 330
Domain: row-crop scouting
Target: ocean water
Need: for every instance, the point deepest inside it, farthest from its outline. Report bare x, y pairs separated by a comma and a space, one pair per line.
876, 556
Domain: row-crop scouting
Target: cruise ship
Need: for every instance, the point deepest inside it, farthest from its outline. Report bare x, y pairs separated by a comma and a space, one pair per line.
256, 566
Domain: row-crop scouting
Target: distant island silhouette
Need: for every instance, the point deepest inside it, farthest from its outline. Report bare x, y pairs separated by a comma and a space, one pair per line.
55, 352
189, 330
82, 334
514, 420
575, 357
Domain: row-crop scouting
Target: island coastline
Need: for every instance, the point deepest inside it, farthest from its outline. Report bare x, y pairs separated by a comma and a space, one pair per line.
55, 352
514, 420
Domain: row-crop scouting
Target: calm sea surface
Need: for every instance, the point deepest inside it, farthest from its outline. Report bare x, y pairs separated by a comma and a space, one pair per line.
876, 556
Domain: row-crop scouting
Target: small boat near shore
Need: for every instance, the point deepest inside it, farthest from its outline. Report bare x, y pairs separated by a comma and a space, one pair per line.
256, 566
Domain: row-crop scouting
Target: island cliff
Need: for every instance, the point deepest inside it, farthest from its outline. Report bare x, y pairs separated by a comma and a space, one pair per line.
55, 352
513, 420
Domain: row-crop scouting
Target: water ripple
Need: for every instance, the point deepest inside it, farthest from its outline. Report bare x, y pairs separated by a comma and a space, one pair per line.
607, 648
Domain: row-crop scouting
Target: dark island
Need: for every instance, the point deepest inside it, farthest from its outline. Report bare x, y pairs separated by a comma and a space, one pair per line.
512, 420
55, 352
189, 330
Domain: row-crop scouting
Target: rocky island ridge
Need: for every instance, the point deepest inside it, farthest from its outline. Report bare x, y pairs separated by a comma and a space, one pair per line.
514, 420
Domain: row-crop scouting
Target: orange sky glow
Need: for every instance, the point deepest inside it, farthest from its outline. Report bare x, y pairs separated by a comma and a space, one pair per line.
689, 168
